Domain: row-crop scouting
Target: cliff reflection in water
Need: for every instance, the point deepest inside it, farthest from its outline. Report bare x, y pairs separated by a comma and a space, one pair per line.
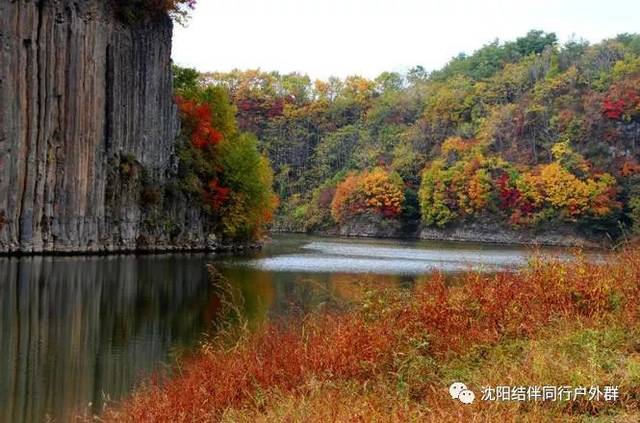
74, 328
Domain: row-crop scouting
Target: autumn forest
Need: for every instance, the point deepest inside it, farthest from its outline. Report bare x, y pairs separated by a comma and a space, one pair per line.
525, 133
193, 231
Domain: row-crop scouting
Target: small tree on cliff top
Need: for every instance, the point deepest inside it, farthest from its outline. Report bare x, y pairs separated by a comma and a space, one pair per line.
136, 10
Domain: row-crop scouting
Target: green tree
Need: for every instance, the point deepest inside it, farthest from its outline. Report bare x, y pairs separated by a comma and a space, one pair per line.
535, 42
185, 81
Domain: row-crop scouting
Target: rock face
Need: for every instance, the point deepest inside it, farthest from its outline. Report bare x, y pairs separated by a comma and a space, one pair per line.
369, 226
87, 129
499, 234
482, 231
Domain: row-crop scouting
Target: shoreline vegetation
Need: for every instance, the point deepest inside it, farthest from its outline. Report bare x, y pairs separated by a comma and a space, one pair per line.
391, 354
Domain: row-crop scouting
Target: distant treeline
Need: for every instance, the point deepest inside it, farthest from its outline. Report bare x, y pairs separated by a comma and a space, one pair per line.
528, 132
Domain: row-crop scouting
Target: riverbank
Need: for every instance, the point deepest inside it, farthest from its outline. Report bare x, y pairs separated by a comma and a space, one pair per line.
210, 246
499, 234
393, 355
492, 233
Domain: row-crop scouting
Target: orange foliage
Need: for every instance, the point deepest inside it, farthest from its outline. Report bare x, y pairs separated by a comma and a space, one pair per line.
575, 197
377, 191
458, 145
344, 203
629, 168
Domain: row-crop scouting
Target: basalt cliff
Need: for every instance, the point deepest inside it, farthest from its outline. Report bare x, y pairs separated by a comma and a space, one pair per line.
87, 132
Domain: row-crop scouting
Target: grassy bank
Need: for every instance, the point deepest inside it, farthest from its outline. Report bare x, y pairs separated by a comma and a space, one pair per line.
393, 356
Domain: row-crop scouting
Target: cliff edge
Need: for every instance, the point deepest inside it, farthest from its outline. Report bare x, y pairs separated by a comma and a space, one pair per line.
87, 131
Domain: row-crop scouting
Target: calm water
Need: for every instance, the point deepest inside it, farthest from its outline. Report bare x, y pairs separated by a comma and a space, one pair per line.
77, 330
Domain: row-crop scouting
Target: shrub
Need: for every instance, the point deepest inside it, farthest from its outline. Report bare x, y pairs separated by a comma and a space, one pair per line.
222, 168
130, 168
151, 196
378, 192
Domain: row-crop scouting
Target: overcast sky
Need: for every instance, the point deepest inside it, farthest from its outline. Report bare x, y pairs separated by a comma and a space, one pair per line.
366, 37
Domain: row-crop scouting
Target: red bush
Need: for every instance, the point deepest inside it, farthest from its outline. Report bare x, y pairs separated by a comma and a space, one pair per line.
623, 100
216, 195
613, 109
508, 196
197, 117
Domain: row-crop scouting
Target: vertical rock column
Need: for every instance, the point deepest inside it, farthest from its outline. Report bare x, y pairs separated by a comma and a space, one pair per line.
78, 91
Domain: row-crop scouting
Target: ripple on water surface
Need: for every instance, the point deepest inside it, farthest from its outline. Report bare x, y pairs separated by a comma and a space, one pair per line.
352, 257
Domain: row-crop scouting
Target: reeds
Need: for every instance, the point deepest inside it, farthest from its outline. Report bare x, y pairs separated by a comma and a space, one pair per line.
394, 354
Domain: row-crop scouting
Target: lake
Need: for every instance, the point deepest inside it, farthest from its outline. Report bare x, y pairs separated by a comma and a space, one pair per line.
75, 331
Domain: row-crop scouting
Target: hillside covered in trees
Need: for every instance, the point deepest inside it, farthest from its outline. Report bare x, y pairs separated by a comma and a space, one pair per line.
524, 134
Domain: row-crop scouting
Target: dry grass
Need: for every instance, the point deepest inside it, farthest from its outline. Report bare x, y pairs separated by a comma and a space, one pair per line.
393, 356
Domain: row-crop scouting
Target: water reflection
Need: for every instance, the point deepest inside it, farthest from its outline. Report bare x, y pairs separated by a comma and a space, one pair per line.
74, 329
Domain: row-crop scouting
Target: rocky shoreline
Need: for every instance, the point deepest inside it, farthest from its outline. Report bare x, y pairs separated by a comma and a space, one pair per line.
147, 250
495, 234
491, 233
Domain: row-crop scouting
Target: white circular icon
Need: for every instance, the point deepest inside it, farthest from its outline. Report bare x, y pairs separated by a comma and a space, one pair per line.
466, 396
456, 388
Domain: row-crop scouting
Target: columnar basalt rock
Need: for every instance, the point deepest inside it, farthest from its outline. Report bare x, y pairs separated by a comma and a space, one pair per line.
82, 95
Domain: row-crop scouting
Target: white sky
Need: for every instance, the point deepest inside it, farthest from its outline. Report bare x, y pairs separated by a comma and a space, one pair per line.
366, 37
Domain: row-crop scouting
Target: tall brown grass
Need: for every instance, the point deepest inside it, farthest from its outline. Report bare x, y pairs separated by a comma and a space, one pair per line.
392, 357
